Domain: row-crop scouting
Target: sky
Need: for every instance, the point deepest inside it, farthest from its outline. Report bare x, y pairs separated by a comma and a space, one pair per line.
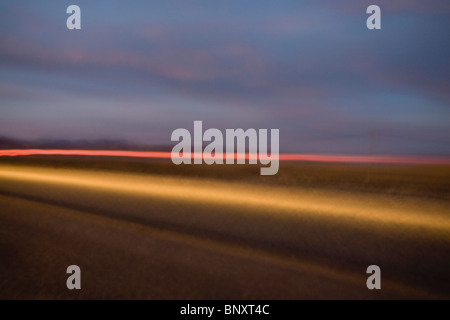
137, 70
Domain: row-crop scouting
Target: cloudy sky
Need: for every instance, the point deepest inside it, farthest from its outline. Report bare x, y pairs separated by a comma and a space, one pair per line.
137, 70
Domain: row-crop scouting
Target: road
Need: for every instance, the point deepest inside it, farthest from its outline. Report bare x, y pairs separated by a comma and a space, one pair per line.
155, 237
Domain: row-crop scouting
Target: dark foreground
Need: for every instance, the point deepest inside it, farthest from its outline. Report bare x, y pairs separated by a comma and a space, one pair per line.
151, 236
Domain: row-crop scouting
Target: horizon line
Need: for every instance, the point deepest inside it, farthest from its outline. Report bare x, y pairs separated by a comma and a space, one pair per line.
340, 158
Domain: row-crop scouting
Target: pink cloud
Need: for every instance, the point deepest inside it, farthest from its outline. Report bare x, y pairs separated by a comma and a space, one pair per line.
170, 61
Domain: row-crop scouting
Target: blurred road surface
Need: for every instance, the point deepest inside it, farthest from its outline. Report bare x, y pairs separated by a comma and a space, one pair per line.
153, 237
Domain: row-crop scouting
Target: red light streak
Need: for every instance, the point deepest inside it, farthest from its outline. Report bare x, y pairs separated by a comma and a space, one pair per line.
282, 157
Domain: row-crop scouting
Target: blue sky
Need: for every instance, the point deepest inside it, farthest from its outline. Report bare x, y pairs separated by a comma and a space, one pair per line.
137, 70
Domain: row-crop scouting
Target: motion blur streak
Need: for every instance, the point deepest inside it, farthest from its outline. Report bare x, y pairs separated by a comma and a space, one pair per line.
282, 157
420, 215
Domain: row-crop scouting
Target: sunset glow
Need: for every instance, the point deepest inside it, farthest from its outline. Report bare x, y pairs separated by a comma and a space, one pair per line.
282, 157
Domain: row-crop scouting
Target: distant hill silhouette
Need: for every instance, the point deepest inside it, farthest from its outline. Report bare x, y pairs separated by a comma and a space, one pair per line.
97, 144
